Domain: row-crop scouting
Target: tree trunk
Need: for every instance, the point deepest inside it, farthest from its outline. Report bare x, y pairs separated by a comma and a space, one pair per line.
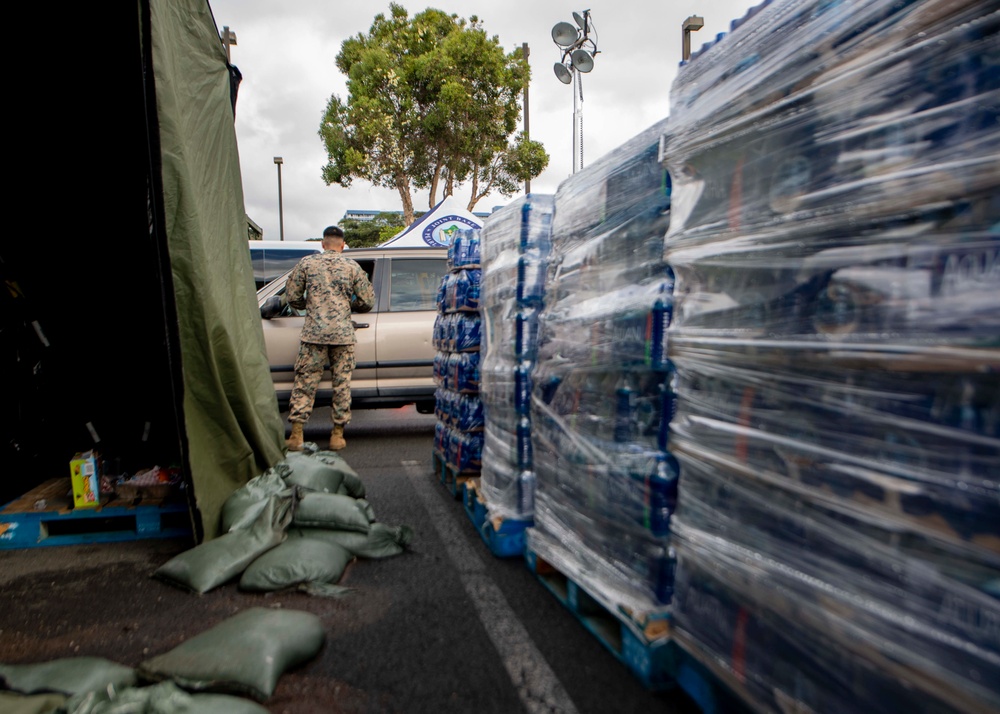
403, 186
449, 189
475, 189
434, 184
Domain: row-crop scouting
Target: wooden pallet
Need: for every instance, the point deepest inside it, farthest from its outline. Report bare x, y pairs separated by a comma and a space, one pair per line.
450, 476
504, 537
713, 689
45, 517
642, 642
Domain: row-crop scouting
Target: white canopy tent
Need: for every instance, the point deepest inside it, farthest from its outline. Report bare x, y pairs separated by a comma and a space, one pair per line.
436, 228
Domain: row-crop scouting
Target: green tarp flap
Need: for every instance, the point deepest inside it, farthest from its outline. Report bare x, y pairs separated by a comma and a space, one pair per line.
232, 422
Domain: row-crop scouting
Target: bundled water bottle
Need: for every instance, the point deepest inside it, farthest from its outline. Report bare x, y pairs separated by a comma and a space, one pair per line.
470, 295
442, 293
466, 374
468, 332
440, 437
468, 412
464, 251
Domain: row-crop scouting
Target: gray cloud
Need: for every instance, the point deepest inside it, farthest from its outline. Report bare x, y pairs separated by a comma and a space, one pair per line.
286, 53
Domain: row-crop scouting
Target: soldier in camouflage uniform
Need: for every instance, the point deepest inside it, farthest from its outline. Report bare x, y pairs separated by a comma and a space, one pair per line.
329, 287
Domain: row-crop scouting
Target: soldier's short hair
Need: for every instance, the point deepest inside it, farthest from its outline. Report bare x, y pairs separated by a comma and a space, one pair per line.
333, 231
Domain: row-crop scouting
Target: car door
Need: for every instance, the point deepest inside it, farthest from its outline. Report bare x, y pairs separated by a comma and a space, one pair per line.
406, 325
282, 336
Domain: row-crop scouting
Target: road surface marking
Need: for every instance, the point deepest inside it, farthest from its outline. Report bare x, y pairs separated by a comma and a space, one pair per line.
537, 685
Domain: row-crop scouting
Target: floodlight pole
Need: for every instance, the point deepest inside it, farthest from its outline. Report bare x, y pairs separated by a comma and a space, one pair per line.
577, 119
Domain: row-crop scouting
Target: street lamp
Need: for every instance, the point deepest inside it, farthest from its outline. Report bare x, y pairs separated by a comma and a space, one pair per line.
578, 52
281, 216
692, 24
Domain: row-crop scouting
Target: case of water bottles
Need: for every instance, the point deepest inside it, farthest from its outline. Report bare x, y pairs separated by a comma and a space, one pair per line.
602, 392
457, 337
835, 338
516, 242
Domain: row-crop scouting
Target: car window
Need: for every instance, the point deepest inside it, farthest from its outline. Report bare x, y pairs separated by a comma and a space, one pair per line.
413, 283
269, 262
280, 260
368, 265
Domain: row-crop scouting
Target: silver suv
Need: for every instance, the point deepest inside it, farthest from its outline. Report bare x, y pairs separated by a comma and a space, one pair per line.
394, 354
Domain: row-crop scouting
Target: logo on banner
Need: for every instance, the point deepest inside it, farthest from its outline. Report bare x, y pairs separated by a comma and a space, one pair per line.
441, 232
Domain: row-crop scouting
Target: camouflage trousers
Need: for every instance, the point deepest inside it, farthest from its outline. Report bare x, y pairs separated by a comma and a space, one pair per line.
309, 367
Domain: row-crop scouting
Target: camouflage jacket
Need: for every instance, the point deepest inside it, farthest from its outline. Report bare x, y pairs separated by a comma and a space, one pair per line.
329, 287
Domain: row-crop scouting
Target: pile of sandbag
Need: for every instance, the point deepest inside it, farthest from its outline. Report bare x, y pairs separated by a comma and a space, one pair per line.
299, 524
219, 671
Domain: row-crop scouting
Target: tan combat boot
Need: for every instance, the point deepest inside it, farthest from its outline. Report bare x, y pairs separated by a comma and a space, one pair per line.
337, 438
294, 441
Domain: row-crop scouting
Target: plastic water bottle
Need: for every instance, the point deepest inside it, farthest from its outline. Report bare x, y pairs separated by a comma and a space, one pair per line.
472, 252
523, 437
468, 333
662, 494
526, 483
625, 404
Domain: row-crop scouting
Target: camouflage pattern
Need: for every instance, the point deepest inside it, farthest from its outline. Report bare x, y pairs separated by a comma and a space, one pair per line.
309, 367
329, 287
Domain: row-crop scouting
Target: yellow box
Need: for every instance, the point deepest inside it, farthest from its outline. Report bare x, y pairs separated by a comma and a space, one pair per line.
85, 475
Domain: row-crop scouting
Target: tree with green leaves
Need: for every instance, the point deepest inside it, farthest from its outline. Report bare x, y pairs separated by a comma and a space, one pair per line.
367, 234
432, 104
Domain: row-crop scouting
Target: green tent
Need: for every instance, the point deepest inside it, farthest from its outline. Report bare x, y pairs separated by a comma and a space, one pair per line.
136, 331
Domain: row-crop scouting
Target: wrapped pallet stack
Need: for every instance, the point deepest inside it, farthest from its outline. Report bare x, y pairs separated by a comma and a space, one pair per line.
458, 431
516, 242
601, 397
836, 340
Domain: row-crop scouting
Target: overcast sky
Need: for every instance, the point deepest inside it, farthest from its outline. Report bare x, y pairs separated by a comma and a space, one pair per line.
286, 53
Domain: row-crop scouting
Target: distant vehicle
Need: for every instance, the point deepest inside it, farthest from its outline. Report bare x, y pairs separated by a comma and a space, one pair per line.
394, 355
271, 258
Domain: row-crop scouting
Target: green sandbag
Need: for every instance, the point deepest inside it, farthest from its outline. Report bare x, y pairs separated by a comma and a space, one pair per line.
11, 703
352, 486
163, 698
326, 475
245, 503
333, 511
296, 561
218, 561
328, 590
368, 510
68, 675
381, 541
245, 654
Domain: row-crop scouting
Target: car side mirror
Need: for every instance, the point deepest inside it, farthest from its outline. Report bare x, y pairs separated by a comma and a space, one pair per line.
271, 307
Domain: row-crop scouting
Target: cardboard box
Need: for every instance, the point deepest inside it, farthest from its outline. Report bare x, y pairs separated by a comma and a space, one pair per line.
84, 472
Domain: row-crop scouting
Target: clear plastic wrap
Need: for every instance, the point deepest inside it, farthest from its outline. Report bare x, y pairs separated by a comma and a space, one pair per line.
841, 183
515, 250
835, 245
457, 336
602, 392
797, 645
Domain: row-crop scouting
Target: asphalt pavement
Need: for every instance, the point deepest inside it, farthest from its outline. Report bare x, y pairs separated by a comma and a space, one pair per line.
445, 627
